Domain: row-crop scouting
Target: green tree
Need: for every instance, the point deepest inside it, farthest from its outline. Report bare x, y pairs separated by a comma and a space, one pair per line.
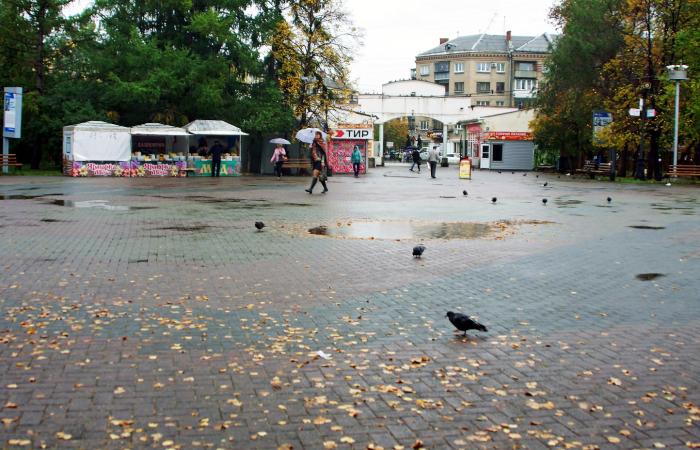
573, 88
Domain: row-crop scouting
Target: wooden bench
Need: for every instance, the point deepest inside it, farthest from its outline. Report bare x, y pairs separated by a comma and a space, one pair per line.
545, 168
10, 160
298, 163
683, 171
592, 169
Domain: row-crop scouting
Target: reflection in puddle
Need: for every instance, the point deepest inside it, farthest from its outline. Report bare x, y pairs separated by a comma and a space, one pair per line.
406, 230
98, 204
25, 197
649, 276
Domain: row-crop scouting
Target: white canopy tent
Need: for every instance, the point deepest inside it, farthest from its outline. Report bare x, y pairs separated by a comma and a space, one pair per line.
96, 141
174, 139
213, 128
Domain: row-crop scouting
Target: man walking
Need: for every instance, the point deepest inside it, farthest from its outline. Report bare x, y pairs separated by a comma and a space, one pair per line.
416, 159
215, 151
433, 157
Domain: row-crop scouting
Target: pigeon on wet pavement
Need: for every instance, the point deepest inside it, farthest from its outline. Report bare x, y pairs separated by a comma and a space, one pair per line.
418, 251
544, 201
259, 225
609, 199
464, 192
494, 200
545, 184
464, 323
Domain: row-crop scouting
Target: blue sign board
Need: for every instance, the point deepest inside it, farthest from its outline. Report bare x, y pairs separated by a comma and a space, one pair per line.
12, 112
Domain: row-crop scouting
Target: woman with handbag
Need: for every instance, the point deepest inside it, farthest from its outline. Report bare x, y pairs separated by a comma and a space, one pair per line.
278, 158
319, 163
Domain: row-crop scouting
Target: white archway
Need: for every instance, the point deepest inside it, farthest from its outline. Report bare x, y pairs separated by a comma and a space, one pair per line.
415, 98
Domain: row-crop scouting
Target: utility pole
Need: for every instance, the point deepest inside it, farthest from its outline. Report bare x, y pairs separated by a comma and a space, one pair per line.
639, 167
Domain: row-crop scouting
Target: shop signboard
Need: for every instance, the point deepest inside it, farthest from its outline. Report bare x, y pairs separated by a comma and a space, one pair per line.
352, 133
465, 169
508, 136
202, 167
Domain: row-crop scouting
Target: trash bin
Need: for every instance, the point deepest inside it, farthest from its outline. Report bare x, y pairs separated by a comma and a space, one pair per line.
370, 163
444, 163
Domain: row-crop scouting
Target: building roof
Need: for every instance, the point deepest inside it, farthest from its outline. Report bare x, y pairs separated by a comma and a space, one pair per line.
95, 125
493, 43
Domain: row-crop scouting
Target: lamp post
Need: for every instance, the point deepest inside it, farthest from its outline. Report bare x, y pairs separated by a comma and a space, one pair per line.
677, 73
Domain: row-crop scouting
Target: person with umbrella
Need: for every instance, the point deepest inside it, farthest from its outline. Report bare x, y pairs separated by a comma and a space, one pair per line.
319, 162
279, 156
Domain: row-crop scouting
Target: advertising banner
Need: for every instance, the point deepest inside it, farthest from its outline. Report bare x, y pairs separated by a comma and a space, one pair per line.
465, 169
340, 152
202, 168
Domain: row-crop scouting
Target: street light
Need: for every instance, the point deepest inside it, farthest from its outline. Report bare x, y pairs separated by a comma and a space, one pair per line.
677, 73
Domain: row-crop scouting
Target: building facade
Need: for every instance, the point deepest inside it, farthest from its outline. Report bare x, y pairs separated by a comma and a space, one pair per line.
494, 70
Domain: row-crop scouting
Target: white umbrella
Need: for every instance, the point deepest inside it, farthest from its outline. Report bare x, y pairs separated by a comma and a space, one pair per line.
307, 135
279, 141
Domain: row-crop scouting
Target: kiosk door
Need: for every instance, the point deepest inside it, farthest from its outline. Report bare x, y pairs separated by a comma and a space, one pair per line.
485, 162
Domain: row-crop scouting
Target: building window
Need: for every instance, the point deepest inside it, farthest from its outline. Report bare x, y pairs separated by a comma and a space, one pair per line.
459, 67
442, 66
483, 87
525, 84
483, 67
500, 87
526, 66
497, 152
424, 125
425, 70
482, 103
501, 67
500, 103
459, 87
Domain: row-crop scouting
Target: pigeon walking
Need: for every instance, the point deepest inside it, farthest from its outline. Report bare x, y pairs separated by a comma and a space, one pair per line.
259, 225
464, 323
418, 251
609, 199
464, 192
494, 200
545, 184
544, 201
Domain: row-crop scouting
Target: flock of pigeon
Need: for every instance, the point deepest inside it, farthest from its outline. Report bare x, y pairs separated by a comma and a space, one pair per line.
460, 321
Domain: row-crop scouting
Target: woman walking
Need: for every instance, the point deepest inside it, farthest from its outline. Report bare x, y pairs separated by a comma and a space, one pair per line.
278, 158
319, 161
356, 160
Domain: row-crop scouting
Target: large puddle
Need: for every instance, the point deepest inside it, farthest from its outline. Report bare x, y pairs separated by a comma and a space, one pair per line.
98, 204
407, 230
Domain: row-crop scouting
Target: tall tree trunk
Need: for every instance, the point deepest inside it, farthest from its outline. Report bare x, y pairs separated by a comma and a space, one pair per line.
40, 78
653, 161
625, 157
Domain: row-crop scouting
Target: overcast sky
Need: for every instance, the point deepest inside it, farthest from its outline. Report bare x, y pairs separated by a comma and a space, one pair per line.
395, 31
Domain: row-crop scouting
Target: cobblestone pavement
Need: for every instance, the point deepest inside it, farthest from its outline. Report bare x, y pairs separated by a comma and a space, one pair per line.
149, 313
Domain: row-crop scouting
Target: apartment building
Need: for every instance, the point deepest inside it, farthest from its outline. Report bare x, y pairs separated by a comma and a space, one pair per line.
494, 70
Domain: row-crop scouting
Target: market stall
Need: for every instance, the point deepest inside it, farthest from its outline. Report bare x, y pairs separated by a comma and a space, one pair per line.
204, 134
344, 139
158, 150
96, 149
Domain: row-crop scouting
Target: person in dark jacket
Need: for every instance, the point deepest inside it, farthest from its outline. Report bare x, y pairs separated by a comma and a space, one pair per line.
416, 159
215, 152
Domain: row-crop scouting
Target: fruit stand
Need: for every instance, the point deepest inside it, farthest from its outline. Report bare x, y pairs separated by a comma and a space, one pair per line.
204, 134
158, 150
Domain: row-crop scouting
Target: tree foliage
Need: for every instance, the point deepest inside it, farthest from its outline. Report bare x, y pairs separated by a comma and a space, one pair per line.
611, 54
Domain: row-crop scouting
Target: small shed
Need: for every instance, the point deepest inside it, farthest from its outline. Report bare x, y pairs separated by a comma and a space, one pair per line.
96, 141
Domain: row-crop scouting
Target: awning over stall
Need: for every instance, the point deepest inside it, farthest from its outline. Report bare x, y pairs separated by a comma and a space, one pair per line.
213, 128
96, 141
157, 129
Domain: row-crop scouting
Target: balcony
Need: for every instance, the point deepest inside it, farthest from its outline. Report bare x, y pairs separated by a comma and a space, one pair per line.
525, 94
442, 76
525, 74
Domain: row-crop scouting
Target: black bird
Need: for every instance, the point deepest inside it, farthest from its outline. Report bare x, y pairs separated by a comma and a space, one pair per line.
609, 199
464, 323
259, 225
545, 184
512, 173
499, 171
544, 201
494, 199
524, 174
464, 193
418, 251
537, 176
